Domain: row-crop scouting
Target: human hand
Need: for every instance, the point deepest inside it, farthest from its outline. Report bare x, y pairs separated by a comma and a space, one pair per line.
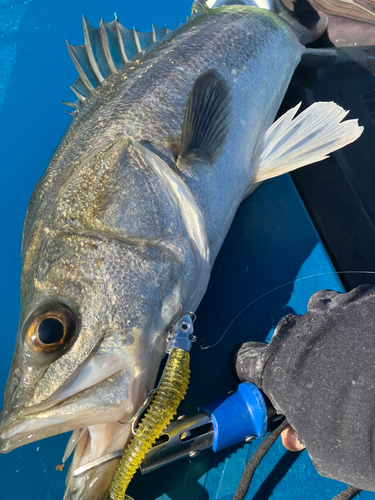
319, 371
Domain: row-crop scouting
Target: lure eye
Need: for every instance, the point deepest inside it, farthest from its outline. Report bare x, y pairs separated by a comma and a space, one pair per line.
50, 328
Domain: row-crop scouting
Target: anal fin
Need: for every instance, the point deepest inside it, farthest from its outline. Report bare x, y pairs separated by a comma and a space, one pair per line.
292, 143
207, 119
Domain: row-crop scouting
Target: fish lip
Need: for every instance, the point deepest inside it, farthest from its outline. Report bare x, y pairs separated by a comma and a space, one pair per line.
12, 438
93, 484
16, 425
9, 420
24, 426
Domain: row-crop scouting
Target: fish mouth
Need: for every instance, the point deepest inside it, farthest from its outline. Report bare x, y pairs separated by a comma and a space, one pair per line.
91, 406
90, 443
98, 392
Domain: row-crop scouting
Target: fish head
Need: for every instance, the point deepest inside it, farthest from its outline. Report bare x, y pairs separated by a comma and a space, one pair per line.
92, 333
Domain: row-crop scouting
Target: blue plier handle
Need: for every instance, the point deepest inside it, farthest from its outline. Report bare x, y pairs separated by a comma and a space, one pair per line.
239, 416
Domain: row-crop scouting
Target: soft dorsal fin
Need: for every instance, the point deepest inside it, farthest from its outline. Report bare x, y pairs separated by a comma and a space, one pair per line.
106, 49
199, 7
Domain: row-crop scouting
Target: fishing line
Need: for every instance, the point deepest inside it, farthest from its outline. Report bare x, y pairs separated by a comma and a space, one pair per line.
203, 348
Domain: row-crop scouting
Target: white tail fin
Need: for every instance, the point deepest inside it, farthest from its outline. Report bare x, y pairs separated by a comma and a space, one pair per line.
289, 144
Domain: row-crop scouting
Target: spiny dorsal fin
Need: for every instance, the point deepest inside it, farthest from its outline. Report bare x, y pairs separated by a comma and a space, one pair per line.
106, 49
207, 119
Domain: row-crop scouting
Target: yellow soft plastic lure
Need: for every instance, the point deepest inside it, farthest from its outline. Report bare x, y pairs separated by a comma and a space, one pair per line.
167, 397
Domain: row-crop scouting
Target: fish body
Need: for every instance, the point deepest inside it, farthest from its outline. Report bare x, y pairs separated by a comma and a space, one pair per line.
123, 228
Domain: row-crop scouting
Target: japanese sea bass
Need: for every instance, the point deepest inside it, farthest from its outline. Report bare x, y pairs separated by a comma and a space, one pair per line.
123, 228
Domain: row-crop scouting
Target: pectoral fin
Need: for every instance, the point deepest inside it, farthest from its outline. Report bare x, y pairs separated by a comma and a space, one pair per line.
292, 143
207, 119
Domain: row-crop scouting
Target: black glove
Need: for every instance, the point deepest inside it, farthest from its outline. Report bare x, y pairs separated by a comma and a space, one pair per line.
319, 371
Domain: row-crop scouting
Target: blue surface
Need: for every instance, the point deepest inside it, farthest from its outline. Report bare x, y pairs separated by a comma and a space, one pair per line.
271, 249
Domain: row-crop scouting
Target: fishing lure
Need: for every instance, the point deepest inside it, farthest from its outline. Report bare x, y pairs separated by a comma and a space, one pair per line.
167, 397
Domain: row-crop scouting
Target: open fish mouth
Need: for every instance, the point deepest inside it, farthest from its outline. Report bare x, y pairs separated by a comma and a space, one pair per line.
91, 443
77, 403
91, 403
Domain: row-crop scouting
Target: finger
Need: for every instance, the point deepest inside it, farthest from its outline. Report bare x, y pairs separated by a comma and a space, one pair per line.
290, 440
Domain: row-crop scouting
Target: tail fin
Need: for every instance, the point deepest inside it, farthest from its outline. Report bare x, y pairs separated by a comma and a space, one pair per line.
290, 144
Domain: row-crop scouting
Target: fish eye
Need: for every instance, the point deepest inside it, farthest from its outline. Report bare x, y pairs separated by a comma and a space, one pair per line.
50, 331
50, 328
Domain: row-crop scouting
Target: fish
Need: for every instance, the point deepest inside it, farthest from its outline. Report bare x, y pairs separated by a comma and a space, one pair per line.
171, 131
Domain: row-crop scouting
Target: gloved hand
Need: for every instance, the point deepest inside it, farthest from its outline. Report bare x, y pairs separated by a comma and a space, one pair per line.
319, 371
